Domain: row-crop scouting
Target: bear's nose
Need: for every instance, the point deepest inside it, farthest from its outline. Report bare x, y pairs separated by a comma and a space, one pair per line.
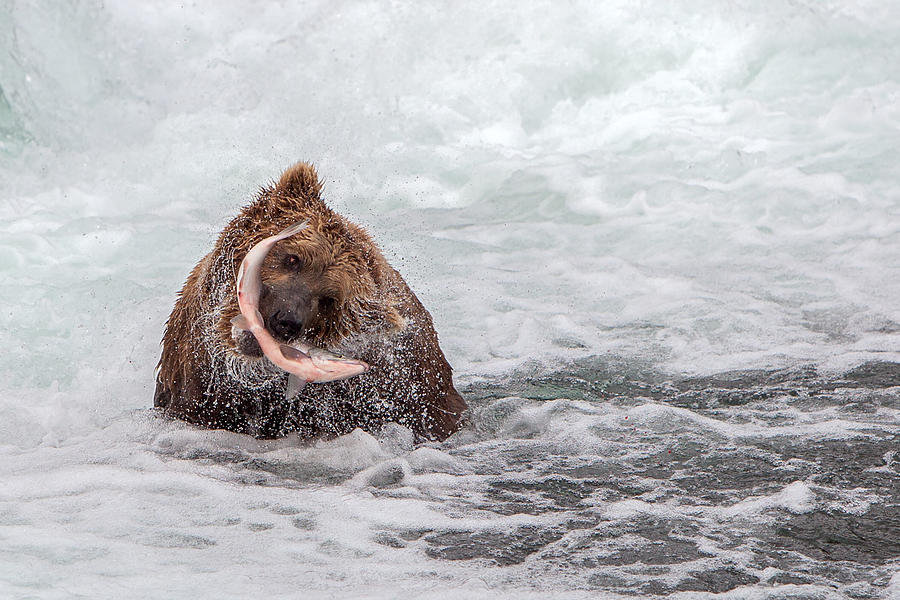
285, 325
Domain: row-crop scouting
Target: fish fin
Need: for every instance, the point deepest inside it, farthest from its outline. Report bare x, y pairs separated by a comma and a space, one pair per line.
292, 353
293, 229
240, 276
294, 385
241, 323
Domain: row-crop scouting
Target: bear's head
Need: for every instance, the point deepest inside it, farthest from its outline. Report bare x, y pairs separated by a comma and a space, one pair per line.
324, 285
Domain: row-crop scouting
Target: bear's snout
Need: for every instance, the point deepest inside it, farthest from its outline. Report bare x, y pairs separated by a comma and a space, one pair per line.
285, 325
292, 307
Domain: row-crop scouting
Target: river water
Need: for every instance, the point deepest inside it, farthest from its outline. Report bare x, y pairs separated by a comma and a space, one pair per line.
660, 242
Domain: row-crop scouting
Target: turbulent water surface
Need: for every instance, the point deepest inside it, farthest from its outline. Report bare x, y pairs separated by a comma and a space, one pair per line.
660, 241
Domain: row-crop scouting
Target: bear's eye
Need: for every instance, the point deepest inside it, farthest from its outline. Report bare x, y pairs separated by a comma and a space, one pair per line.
327, 303
293, 262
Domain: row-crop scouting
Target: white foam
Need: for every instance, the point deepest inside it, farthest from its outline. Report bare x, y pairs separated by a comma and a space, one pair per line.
796, 497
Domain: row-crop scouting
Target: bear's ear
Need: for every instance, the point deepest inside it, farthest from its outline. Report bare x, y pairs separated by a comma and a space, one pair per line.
299, 181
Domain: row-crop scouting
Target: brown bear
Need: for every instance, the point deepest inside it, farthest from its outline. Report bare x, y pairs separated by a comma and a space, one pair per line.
328, 285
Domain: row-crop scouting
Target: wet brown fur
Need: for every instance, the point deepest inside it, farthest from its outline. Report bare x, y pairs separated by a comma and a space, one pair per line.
371, 314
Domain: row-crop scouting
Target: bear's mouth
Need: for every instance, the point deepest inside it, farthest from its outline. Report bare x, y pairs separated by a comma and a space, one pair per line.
245, 342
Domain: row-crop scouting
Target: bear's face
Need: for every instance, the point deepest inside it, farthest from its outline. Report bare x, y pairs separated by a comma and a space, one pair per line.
312, 283
321, 285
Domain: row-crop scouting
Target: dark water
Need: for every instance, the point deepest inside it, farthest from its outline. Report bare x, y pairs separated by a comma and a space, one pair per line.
791, 429
766, 483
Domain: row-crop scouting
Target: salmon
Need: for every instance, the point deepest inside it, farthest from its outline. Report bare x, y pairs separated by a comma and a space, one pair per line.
305, 363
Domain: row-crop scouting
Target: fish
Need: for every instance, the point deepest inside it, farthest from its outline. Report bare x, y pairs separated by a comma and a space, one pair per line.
304, 362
